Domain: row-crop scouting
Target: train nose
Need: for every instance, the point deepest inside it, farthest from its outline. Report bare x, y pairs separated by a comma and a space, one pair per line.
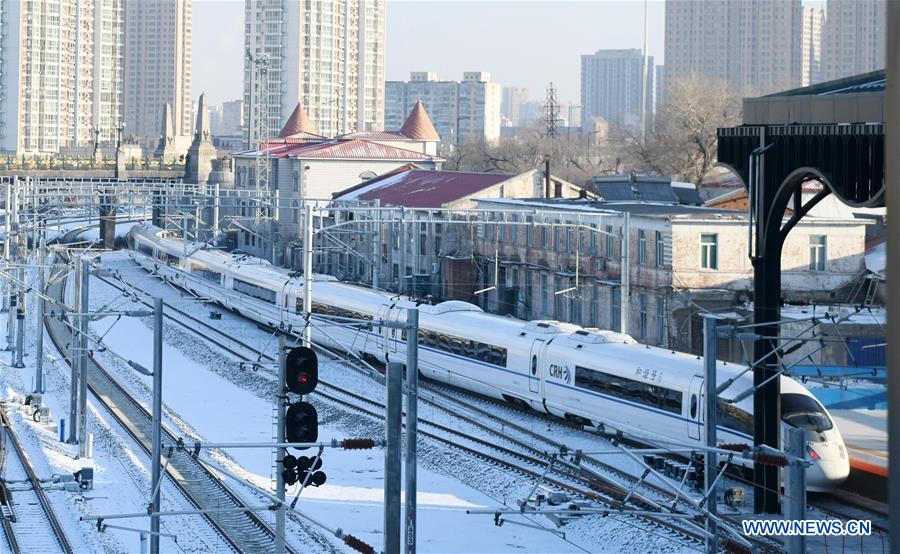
830, 467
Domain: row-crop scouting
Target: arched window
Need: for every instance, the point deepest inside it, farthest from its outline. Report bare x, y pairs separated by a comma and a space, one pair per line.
295, 211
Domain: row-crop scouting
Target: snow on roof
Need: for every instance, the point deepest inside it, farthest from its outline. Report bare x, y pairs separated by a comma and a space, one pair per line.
876, 258
418, 188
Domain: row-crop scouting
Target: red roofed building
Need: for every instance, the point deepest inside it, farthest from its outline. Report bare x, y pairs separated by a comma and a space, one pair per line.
423, 229
306, 165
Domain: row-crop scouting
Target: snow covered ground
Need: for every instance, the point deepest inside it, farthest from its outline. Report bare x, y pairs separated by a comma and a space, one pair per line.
208, 397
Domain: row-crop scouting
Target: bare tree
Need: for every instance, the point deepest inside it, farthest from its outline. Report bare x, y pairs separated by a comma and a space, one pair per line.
682, 142
574, 157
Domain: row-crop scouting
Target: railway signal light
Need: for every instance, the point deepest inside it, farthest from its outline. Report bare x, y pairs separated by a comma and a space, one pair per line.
301, 423
302, 369
307, 466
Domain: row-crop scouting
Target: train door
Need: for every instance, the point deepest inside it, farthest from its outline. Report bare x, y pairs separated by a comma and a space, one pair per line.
534, 364
695, 407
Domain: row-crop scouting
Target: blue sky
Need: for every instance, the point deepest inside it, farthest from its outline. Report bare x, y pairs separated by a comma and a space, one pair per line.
519, 43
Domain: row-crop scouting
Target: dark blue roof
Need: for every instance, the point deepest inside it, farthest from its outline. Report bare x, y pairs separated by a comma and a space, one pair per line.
873, 81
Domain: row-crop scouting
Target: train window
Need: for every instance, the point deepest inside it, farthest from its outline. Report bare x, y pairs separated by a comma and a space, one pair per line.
734, 418
466, 348
298, 305
205, 273
803, 412
253, 290
534, 365
636, 391
693, 406
325, 309
144, 249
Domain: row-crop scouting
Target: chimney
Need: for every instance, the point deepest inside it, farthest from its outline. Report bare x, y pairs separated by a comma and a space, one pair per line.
547, 177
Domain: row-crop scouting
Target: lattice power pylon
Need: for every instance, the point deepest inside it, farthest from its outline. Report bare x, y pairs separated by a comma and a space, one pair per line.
551, 108
260, 97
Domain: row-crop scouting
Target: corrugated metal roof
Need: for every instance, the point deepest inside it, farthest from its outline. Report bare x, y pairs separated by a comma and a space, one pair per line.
352, 149
418, 188
375, 135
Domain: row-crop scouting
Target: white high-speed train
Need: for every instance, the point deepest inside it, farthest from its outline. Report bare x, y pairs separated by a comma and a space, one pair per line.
588, 375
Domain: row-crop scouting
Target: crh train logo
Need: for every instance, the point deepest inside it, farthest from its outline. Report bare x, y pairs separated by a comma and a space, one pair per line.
559, 372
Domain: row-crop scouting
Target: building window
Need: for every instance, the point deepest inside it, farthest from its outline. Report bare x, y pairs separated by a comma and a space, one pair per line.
595, 305
615, 309
560, 298
661, 321
642, 315
709, 251
817, 252
660, 250
642, 248
515, 231
559, 238
544, 236
545, 295
529, 232
609, 241
593, 251
570, 241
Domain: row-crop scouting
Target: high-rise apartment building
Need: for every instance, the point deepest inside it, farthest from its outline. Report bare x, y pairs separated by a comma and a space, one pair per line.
459, 110
158, 67
612, 84
754, 46
325, 55
659, 87
511, 105
854, 37
811, 46
232, 117
61, 64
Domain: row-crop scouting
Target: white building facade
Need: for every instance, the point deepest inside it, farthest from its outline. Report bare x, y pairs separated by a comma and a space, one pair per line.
460, 110
158, 68
327, 55
613, 86
61, 70
855, 36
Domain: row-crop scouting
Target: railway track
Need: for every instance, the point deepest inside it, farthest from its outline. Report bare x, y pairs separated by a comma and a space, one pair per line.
29, 522
514, 453
242, 532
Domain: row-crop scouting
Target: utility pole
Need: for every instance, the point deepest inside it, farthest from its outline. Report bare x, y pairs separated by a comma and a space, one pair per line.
11, 256
644, 79
82, 342
892, 202
20, 316
280, 400
412, 421
625, 300
156, 449
76, 354
39, 324
392, 422
711, 458
795, 486
307, 271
